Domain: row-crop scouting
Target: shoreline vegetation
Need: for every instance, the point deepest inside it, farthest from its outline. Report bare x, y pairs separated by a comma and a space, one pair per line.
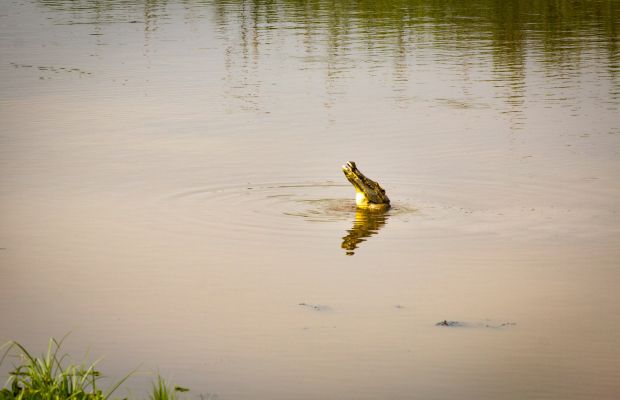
52, 376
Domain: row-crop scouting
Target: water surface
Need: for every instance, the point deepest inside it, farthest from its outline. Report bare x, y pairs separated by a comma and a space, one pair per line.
170, 192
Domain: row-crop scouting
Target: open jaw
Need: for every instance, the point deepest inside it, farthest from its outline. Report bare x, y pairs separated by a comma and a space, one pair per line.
368, 192
350, 172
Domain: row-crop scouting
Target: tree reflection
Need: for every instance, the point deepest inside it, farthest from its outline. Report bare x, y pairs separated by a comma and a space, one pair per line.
342, 34
390, 34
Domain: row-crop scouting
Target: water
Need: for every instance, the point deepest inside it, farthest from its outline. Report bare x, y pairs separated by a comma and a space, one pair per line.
171, 193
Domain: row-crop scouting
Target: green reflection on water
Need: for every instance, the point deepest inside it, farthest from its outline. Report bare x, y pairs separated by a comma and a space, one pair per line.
562, 36
506, 26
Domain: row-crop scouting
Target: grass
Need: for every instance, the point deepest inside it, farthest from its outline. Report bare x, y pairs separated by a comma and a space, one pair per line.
52, 377
161, 390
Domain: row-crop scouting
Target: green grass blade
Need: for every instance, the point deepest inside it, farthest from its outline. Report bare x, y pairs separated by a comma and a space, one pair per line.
120, 383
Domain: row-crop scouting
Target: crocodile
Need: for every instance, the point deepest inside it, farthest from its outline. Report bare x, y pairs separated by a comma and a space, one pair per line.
368, 193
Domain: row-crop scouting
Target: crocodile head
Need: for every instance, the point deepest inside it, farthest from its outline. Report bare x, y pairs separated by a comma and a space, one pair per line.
368, 193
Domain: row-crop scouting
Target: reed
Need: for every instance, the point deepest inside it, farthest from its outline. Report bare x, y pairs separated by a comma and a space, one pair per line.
161, 390
52, 377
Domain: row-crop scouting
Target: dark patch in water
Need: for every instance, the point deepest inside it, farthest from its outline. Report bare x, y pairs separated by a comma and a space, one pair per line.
449, 323
481, 324
316, 307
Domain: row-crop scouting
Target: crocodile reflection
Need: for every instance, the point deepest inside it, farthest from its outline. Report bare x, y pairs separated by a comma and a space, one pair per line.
367, 222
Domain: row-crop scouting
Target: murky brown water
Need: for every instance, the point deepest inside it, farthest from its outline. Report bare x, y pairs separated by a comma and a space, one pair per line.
171, 193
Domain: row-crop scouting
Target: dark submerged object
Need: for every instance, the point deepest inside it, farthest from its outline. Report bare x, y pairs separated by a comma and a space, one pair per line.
449, 323
479, 324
